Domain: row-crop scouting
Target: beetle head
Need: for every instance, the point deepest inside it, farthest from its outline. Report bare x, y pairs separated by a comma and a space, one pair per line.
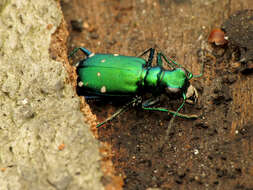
178, 83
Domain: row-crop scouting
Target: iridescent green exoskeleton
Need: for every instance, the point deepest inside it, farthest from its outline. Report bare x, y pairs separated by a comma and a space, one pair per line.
126, 76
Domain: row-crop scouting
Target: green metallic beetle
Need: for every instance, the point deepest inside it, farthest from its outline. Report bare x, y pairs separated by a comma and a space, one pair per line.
114, 75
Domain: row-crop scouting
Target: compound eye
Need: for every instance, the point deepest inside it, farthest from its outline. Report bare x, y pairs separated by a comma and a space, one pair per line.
187, 73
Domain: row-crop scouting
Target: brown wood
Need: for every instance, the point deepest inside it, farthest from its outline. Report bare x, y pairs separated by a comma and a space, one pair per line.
214, 152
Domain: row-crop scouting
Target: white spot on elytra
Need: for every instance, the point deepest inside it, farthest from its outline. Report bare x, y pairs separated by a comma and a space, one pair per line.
103, 61
103, 89
80, 84
116, 54
91, 55
98, 74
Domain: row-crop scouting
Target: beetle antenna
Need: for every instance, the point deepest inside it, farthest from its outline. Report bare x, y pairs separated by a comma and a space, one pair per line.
170, 61
173, 118
202, 67
201, 72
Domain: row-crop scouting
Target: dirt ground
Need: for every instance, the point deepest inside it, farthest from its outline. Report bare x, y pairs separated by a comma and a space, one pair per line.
214, 151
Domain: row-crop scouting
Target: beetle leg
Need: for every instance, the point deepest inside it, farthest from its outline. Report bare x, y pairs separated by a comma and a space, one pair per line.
150, 102
146, 106
136, 101
177, 114
159, 60
171, 63
150, 58
112, 117
84, 50
119, 111
145, 52
186, 116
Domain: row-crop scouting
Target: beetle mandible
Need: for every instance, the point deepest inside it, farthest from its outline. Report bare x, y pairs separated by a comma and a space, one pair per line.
114, 75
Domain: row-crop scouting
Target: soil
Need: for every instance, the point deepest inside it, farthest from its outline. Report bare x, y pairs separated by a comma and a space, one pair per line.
237, 24
211, 152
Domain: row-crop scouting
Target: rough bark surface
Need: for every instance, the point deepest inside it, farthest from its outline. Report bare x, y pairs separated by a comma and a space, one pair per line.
44, 142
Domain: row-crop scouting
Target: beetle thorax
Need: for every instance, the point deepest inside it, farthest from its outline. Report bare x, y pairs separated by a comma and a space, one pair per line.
151, 78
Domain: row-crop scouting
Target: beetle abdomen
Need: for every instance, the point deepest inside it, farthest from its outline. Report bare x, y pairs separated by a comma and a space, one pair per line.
111, 74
